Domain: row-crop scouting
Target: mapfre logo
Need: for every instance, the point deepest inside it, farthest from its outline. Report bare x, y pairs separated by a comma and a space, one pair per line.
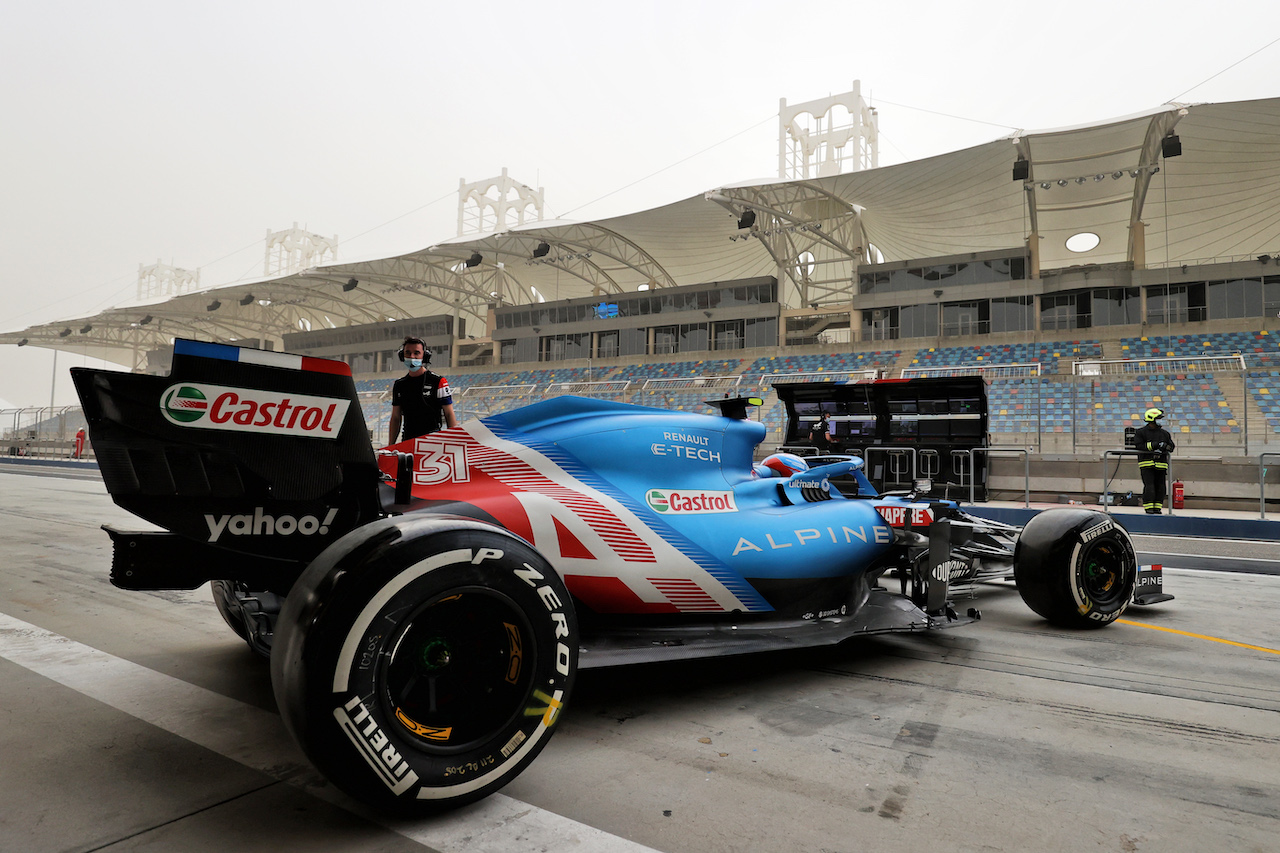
190, 404
897, 515
689, 502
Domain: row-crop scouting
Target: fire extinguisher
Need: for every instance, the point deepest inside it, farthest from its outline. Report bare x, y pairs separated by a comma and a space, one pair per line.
1177, 494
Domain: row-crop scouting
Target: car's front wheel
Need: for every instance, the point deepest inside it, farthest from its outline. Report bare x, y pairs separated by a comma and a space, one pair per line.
1075, 567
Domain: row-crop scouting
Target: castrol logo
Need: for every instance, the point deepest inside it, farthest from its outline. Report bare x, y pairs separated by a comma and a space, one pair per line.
690, 501
199, 406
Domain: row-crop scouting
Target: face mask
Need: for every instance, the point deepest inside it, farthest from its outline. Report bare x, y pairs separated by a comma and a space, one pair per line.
414, 363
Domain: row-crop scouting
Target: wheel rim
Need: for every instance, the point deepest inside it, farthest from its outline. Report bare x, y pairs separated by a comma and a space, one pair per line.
1102, 570
458, 669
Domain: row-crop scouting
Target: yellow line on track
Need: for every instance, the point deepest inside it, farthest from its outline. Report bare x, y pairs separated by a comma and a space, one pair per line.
1199, 636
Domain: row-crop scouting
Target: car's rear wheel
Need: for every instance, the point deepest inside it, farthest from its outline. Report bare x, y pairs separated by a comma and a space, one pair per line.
1076, 568
426, 667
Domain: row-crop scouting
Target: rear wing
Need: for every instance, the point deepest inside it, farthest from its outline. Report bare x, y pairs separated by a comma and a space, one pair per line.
250, 451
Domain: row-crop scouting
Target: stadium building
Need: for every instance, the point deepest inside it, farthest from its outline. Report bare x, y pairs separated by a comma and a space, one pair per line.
1087, 273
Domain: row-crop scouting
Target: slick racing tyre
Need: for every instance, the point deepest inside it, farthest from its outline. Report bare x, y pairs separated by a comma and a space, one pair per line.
422, 664
1075, 567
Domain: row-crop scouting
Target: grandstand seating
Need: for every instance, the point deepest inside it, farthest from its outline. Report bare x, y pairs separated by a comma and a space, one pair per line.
822, 363
678, 401
1194, 402
1264, 388
1028, 405
1047, 354
543, 378
1046, 404
374, 386
1261, 349
677, 370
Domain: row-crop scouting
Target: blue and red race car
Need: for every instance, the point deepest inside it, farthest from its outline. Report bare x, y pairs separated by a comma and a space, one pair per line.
427, 606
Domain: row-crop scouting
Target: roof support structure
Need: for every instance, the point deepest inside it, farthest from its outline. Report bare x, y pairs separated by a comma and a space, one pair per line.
1161, 125
816, 238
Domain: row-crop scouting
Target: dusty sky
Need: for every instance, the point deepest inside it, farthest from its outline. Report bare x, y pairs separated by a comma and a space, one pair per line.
132, 132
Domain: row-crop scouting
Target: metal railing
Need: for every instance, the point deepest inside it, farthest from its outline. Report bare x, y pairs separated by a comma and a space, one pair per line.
588, 389
821, 376
893, 452
1207, 363
1107, 478
39, 431
695, 382
1262, 482
995, 371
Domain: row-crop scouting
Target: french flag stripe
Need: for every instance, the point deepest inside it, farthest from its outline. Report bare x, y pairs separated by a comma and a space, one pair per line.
285, 360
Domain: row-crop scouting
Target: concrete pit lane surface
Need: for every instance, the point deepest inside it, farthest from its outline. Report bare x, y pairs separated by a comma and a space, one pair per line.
138, 721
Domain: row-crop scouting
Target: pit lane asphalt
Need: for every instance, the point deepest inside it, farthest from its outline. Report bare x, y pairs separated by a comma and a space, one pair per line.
137, 721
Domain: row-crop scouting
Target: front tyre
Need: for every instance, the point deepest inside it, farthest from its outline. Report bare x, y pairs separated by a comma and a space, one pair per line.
422, 664
1076, 567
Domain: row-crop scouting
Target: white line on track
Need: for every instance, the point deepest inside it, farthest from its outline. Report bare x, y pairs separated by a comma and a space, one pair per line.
257, 739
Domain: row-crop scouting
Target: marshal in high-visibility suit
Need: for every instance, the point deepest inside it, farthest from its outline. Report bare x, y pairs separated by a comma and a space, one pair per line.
1154, 444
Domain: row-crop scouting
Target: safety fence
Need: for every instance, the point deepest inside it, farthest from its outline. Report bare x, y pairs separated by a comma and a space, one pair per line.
42, 432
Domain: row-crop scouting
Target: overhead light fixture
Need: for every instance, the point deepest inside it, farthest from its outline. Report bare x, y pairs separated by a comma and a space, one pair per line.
1098, 177
1062, 182
1021, 169
86, 329
1044, 185
1081, 180
1265, 259
64, 332
542, 249
474, 260
1117, 175
145, 320
747, 219
350, 285
22, 343
265, 302
246, 299
213, 306
1171, 146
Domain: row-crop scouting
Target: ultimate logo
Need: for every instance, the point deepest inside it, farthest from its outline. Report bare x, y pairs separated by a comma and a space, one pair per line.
184, 404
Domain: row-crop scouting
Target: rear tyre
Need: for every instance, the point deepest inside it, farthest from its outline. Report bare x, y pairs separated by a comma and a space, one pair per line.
1075, 567
423, 664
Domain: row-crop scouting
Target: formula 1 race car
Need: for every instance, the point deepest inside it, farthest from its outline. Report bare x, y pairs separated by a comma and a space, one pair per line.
427, 607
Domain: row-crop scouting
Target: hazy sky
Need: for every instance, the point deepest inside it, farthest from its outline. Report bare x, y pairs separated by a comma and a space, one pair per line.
179, 131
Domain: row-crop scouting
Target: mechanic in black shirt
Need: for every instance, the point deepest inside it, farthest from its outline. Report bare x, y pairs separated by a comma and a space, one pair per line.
1154, 446
421, 399
820, 434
